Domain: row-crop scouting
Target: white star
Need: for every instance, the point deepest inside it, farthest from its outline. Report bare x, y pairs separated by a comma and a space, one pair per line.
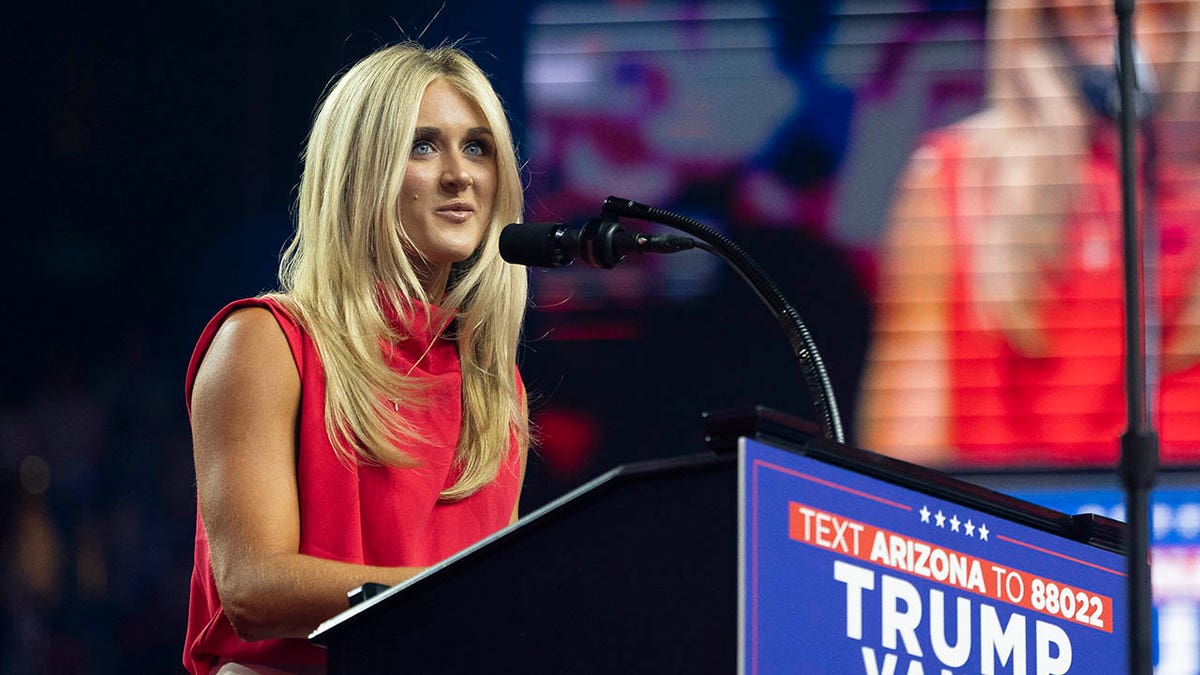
970, 528
941, 519
924, 514
954, 523
983, 532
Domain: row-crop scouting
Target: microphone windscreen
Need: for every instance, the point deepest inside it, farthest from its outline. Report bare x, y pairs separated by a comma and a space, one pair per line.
532, 244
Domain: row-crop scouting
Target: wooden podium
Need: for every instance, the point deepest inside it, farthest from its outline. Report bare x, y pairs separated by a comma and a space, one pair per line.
647, 569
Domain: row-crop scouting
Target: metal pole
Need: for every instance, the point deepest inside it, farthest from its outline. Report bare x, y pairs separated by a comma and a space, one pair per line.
1139, 443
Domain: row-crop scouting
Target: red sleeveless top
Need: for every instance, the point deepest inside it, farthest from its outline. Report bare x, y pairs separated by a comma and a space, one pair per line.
369, 515
1068, 406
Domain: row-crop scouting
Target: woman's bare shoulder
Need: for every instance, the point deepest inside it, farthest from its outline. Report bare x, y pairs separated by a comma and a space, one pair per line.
249, 353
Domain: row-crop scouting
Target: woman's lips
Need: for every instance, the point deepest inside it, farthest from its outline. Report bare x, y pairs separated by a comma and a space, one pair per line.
458, 213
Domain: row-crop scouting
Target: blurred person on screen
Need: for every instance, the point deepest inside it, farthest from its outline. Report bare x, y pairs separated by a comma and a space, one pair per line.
999, 337
366, 420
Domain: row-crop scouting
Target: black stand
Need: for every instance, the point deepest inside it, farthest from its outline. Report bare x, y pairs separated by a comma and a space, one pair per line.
1139, 443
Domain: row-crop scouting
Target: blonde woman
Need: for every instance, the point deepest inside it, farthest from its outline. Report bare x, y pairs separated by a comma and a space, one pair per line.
366, 420
999, 332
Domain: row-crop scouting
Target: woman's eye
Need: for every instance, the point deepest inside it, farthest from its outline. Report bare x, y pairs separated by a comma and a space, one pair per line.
476, 149
422, 148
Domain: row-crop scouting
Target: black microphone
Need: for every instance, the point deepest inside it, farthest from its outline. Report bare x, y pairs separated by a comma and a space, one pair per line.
601, 242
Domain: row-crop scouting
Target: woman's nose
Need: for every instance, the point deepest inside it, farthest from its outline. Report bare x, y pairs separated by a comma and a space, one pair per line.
456, 175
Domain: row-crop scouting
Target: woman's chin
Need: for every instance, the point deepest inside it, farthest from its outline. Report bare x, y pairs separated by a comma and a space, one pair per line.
447, 254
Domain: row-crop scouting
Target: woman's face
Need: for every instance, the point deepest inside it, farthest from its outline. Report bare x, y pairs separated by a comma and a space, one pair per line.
450, 181
1089, 28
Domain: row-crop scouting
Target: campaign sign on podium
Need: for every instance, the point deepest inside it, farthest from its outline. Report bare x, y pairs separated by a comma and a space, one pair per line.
843, 573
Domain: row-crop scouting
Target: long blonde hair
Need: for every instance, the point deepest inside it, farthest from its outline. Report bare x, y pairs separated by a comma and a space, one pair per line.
1023, 156
348, 267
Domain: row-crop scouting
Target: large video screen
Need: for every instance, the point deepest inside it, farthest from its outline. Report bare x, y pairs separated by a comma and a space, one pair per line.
935, 184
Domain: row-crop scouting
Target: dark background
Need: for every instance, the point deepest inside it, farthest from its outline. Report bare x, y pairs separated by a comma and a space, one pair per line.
158, 153
157, 156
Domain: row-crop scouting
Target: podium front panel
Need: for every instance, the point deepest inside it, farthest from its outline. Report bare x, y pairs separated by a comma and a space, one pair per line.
843, 573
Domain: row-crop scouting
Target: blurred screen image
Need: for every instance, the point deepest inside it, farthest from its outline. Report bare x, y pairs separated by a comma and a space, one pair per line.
960, 163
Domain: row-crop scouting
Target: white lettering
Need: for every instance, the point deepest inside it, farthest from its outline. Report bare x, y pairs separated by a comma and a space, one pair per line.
999, 579
1047, 635
1006, 642
958, 570
975, 582
879, 552
897, 551
828, 531
1015, 591
839, 535
856, 579
896, 622
808, 518
955, 656
824, 529
1002, 646
922, 566
872, 666
939, 564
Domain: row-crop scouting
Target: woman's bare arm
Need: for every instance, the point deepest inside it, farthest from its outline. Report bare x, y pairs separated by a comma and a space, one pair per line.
904, 395
245, 404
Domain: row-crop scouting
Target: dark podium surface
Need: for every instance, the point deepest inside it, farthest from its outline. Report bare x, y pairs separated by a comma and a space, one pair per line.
636, 571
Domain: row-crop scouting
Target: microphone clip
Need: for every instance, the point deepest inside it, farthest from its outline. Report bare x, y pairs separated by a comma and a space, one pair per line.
602, 242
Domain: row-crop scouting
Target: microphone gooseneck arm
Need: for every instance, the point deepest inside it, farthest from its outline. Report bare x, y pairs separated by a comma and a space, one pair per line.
805, 350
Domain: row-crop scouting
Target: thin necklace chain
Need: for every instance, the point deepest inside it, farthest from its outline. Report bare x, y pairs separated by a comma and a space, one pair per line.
396, 402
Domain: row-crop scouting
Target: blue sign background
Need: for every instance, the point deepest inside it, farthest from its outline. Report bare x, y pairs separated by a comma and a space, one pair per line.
794, 612
1175, 533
